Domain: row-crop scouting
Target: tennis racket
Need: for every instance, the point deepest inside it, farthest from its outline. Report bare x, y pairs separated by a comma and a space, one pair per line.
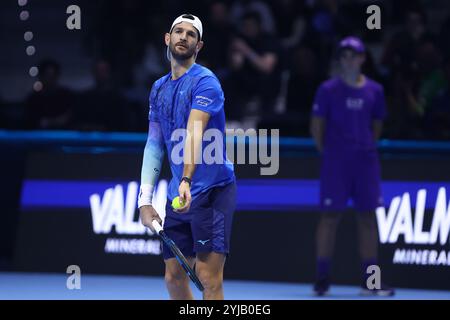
178, 255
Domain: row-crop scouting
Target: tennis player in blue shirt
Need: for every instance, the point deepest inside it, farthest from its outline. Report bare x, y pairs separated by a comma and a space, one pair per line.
189, 98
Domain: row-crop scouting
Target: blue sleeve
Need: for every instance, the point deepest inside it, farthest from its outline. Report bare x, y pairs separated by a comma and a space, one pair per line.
208, 96
153, 113
379, 108
153, 155
321, 103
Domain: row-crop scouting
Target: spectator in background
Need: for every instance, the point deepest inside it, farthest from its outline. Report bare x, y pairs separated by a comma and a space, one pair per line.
400, 52
102, 108
438, 114
403, 122
217, 37
240, 8
121, 29
290, 21
326, 22
411, 80
254, 62
430, 74
49, 107
303, 81
370, 68
412, 91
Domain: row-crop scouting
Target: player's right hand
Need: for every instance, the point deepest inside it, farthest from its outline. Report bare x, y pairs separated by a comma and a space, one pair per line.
148, 214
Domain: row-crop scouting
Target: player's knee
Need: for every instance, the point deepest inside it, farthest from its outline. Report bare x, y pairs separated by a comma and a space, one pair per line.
175, 278
211, 281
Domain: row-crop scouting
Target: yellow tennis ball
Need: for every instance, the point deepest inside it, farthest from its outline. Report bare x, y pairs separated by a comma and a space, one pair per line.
177, 203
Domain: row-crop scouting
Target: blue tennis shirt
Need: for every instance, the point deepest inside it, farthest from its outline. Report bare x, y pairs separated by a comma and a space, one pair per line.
170, 104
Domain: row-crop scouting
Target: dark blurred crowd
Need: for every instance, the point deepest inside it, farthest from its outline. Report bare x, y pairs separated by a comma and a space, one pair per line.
269, 55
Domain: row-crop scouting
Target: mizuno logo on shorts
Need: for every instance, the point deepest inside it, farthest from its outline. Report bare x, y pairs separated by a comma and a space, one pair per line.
203, 241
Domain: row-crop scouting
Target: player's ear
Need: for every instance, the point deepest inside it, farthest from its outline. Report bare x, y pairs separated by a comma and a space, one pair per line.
167, 39
199, 46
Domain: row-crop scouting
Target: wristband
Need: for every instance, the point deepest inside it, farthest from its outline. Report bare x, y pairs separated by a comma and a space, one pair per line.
145, 195
187, 179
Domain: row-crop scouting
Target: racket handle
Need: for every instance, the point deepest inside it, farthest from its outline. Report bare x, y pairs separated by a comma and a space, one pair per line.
156, 226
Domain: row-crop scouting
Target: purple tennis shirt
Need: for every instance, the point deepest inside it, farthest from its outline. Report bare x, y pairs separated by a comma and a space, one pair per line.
349, 113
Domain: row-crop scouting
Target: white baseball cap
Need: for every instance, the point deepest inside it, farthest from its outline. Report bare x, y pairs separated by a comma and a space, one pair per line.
189, 18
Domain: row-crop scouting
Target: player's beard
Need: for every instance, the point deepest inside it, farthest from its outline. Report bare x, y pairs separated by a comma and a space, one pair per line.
187, 54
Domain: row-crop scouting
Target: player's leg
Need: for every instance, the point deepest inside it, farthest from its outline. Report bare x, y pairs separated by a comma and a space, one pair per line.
334, 193
368, 250
325, 240
211, 229
178, 228
326, 234
209, 269
367, 237
177, 281
367, 198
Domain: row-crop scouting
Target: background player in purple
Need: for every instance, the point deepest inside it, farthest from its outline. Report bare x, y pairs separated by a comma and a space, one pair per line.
346, 123
189, 99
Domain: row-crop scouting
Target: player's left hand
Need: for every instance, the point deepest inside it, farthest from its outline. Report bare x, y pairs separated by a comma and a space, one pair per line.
185, 196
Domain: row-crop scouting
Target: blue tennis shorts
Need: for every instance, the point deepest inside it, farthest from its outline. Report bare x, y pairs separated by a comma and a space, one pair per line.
207, 225
350, 175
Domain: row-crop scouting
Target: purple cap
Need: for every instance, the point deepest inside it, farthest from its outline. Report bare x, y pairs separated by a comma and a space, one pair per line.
352, 43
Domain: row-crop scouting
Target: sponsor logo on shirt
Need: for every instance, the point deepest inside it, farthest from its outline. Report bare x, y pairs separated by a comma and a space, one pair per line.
203, 101
354, 103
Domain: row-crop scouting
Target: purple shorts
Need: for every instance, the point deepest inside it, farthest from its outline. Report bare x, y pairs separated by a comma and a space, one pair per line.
207, 225
354, 175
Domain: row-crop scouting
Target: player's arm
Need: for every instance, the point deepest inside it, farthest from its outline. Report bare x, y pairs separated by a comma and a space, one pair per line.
196, 125
319, 116
379, 113
207, 101
377, 127
317, 128
151, 167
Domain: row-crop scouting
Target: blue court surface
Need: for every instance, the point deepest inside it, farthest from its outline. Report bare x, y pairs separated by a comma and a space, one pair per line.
40, 286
